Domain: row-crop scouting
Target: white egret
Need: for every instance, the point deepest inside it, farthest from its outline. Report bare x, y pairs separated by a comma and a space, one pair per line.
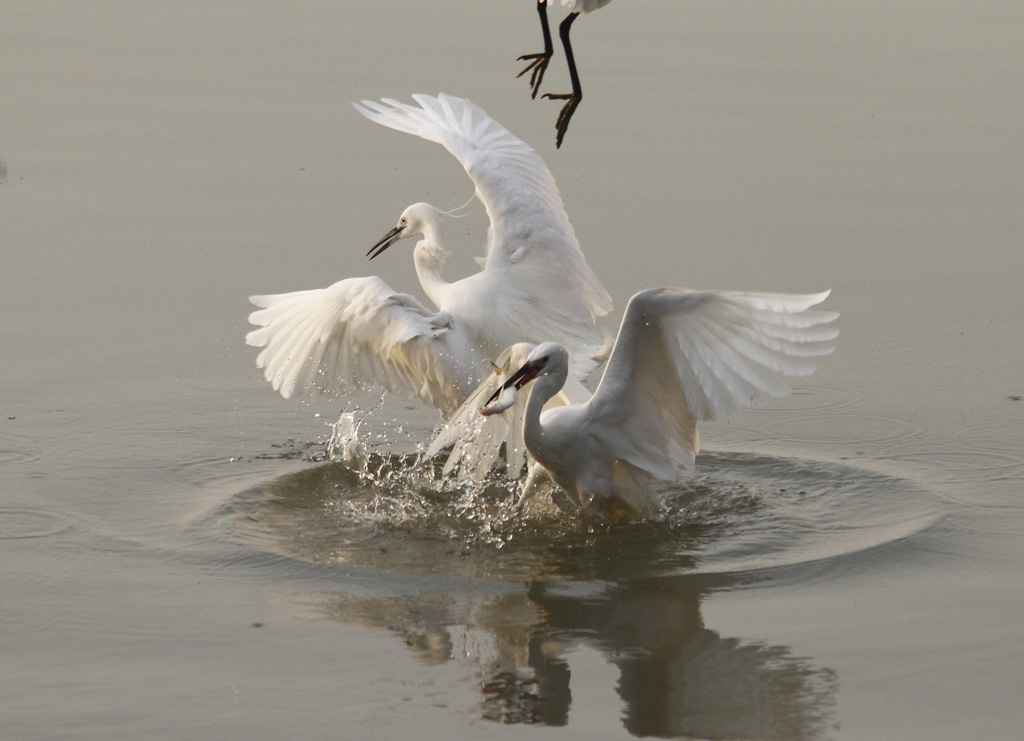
680, 357
535, 284
539, 62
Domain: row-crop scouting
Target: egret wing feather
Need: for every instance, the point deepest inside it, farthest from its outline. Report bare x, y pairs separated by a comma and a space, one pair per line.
475, 440
686, 356
359, 333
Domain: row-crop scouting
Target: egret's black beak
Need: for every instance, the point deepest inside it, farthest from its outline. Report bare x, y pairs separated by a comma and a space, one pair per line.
518, 379
389, 239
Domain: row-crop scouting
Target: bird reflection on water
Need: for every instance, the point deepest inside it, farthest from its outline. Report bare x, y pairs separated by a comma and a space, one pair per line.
515, 599
676, 676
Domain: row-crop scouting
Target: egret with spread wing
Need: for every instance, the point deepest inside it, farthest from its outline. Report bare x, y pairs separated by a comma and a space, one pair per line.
538, 63
680, 357
535, 284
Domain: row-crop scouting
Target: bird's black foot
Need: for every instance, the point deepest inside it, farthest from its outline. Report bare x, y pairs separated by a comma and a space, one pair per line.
538, 64
562, 124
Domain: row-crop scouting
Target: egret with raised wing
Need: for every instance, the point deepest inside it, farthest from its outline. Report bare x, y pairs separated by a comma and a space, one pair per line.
680, 357
538, 63
535, 285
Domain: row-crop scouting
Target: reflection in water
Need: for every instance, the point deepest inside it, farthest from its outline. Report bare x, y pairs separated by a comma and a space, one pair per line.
464, 577
676, 677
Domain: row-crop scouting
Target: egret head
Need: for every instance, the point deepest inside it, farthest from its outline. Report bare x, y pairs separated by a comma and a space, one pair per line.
548, 358
419, 218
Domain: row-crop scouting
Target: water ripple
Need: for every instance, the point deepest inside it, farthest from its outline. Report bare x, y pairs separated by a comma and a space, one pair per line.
18, 523
743, 512
16, 456
817, 428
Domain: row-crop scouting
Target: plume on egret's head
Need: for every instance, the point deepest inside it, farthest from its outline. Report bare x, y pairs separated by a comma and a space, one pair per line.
459, 211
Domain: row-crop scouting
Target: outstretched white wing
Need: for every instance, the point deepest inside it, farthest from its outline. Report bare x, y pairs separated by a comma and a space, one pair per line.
530, 237
685, 356
359, 333
476, 440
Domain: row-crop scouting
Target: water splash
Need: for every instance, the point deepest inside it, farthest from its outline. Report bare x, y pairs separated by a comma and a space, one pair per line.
743, 513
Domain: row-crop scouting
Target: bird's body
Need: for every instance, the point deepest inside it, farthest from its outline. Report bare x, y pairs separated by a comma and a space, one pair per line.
535, 284
538, 62
680, 357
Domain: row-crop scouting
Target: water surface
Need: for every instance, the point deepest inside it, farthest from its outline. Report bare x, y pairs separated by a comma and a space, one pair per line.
179, 556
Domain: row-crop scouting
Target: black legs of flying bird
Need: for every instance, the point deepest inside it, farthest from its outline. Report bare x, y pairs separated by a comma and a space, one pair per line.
539, 63
571, 99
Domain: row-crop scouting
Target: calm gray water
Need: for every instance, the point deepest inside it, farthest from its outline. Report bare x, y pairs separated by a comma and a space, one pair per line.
179, 558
